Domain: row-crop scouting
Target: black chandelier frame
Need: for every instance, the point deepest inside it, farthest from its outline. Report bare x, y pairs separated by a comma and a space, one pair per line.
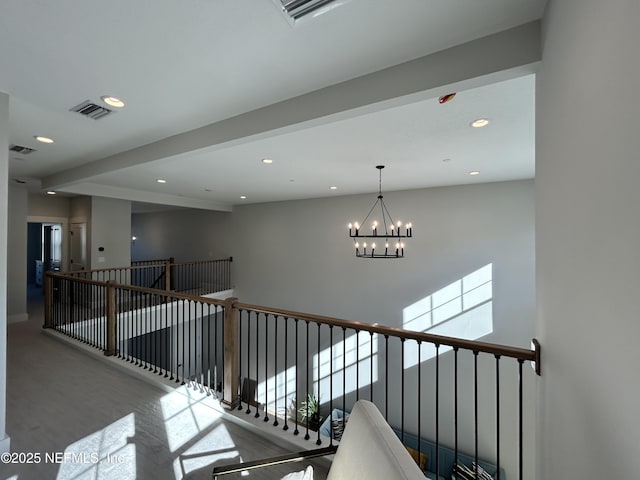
389, 231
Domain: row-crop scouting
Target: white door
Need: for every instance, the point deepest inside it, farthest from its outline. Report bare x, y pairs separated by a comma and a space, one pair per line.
78, 246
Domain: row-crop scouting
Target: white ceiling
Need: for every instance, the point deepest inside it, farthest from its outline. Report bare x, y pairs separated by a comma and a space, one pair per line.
185, 64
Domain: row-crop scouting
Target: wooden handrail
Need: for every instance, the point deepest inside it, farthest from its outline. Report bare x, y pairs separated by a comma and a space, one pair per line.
493, 348
142, 267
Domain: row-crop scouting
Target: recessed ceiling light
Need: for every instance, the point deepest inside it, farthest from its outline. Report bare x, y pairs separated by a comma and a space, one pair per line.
267, 161
480, 122
333, 187
112, 101
243, 197
161, 180
42, 139
474, 172
51, 192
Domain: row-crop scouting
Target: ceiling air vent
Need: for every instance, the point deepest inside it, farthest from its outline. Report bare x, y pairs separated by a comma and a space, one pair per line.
91, 110
21, 149
296, 9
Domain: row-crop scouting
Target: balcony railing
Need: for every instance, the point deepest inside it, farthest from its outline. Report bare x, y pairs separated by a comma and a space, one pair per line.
464, 396
195, 278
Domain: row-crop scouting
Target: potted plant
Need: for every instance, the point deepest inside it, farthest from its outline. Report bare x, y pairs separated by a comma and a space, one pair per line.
309, 411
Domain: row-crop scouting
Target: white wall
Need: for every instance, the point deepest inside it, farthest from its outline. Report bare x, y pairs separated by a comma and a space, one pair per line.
111, 231
4, 233
297, 255
17, 261
183, 234
43, 205
587, 237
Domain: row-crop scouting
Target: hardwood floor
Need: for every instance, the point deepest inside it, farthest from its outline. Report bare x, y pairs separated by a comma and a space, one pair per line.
79, 418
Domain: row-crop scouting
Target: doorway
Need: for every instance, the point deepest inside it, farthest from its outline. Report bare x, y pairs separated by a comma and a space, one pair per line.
44, 251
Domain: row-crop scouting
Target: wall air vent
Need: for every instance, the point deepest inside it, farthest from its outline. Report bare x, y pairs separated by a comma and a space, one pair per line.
21, 149
296, 9
91, 110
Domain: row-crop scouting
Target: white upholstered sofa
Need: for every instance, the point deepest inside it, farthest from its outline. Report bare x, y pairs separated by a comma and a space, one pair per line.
369, 449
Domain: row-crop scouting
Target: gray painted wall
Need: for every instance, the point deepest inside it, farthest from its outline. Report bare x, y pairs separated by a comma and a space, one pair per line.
587, 238
184, 234
297, 255
17, 261
42, 205
110, 230
4, 235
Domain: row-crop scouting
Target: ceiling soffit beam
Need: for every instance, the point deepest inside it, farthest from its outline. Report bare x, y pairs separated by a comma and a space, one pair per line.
507, 54
98, 190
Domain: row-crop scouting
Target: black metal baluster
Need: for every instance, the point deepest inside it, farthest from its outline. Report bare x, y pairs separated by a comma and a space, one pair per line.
455, 406
257, 414
248, 360
129, 328
402, 340
266, 361
357, 365
275, 372
222, 360
286, 373
497, 417
156, 334
331, 384
520, 441
296, 431
437, 345
147, 334
475, 408
167, 331
172, 344
371, 367
192, 338
344, 371
239, 357
207, 382
138, 330
386, 377
318, 441
420, 402
306, 382
184, 346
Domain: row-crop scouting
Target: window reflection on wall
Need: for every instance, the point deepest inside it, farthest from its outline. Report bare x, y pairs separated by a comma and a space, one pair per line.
462, 309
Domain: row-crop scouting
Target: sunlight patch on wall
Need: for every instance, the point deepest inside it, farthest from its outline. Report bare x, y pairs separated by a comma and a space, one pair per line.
354, 363
102, 455
281, 387
462, 309
185, 416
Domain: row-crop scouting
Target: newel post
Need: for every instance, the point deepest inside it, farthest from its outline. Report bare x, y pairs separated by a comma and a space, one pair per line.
48, 297
230, 397
167, 276
111, 319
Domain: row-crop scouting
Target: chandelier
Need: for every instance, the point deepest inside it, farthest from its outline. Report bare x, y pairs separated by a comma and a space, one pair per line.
387, 236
